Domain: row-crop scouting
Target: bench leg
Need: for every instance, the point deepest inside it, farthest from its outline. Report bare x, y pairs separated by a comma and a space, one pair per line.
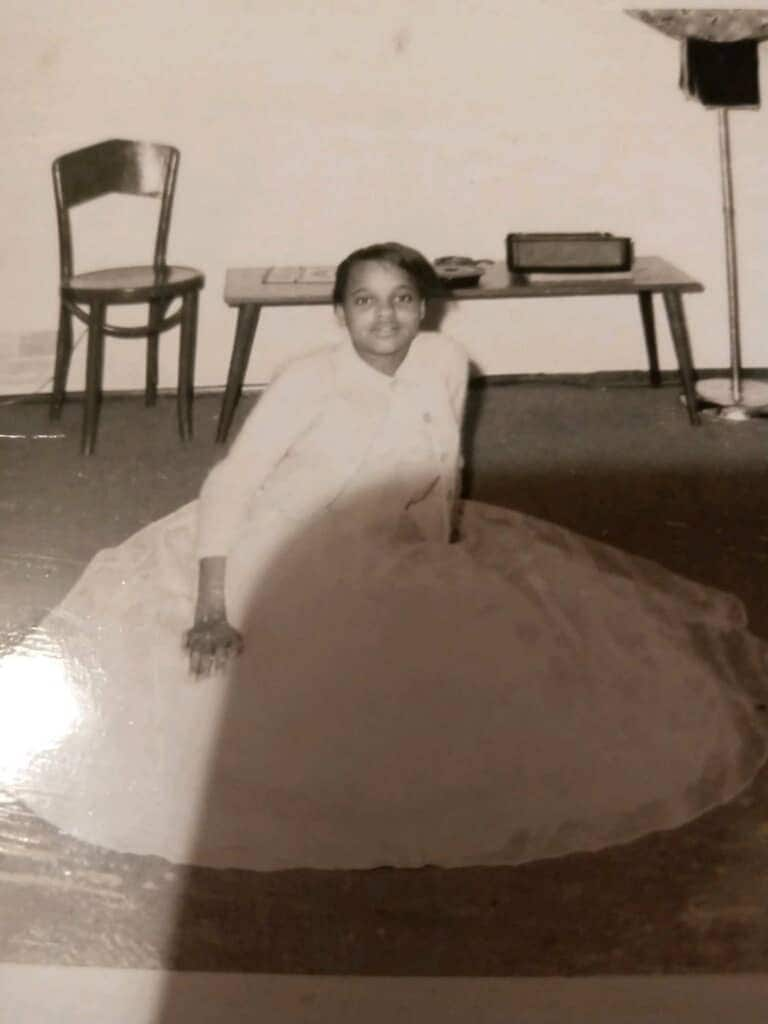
247, 321
187, 348
674, 306
649, 332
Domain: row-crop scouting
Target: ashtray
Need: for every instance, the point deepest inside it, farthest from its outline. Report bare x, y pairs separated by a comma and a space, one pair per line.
460, 271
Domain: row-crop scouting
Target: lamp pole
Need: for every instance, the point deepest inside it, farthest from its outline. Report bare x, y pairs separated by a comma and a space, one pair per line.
736, 399
729, 221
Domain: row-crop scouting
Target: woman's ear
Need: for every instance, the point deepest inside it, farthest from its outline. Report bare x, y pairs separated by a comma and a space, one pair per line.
422, 309
340, 315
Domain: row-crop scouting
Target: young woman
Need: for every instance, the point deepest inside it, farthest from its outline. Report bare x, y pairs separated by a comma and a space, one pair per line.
382, 674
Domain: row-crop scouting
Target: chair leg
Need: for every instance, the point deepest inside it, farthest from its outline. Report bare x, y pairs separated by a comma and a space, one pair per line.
187, 346
93, 376
63, 358
157, 310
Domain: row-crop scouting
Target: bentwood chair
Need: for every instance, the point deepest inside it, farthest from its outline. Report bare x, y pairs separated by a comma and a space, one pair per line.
132, 168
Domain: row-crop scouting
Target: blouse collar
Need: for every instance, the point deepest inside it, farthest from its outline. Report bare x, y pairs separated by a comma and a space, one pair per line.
356, 370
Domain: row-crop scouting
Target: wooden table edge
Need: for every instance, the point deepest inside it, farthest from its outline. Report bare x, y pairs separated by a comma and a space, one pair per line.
571, 287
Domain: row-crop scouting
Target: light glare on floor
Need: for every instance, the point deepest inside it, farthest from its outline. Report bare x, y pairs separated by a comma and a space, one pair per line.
38, 708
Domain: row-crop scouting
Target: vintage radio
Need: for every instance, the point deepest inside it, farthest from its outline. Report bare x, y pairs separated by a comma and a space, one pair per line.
562, 253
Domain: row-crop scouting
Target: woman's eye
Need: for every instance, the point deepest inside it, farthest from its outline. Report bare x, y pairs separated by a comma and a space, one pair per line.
362, 300
406, 298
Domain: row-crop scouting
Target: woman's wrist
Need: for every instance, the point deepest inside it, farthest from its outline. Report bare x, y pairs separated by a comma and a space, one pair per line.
206, 615
211, 592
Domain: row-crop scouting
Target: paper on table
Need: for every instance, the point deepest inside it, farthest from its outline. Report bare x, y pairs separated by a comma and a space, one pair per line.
300, 275
318, 275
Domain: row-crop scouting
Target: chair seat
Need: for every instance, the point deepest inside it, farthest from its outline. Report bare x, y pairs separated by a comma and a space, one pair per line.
131, 284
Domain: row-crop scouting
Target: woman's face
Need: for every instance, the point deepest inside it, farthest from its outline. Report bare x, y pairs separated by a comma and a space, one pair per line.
382, 310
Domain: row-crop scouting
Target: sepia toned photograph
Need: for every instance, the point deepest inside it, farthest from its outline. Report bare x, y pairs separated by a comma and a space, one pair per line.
376, 641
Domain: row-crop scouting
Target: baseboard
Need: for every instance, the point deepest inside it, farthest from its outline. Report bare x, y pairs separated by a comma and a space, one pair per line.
609, 378
597, 379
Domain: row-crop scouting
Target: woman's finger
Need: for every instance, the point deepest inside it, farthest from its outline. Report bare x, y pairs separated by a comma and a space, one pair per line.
223, 655
199, 660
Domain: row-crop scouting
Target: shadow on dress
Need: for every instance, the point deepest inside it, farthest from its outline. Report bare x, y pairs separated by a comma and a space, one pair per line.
371, 721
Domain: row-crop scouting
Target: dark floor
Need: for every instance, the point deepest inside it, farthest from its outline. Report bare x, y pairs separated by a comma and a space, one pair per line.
620, 464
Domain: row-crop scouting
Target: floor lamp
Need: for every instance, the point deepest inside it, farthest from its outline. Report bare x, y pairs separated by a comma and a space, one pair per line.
719, 67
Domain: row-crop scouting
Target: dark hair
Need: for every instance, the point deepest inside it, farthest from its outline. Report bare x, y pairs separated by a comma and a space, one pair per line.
418, 268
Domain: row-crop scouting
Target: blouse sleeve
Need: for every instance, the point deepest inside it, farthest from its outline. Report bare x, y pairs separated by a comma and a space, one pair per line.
457, 385
457, 377
282, 414
456, 369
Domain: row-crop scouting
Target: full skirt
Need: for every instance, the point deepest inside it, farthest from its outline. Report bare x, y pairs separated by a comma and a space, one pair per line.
520, 694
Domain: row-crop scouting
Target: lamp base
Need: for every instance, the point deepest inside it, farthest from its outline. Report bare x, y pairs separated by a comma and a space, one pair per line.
753, 400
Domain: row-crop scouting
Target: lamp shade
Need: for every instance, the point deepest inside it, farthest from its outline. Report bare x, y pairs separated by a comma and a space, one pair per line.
713, 24
719, 60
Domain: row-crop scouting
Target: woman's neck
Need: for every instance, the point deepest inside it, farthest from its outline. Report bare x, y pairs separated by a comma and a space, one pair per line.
386, 365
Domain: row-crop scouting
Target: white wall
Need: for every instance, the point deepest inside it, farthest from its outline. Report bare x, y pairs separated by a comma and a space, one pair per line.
308, 128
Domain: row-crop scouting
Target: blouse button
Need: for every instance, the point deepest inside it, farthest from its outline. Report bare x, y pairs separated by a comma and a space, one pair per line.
427, 417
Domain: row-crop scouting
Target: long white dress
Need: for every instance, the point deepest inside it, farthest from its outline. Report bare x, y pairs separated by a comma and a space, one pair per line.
523, 693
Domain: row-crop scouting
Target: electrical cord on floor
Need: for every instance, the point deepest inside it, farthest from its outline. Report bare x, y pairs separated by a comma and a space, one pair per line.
15, 399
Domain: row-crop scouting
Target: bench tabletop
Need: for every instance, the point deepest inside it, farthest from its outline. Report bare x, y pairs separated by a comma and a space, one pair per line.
246, 285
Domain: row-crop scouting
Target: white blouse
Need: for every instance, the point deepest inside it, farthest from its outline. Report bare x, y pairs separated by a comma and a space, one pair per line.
322, 426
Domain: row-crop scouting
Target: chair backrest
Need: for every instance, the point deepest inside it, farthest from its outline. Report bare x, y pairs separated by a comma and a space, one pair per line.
117, 165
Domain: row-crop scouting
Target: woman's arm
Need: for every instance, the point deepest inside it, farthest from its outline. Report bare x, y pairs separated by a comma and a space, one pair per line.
457, 380
211, 642
281, 415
